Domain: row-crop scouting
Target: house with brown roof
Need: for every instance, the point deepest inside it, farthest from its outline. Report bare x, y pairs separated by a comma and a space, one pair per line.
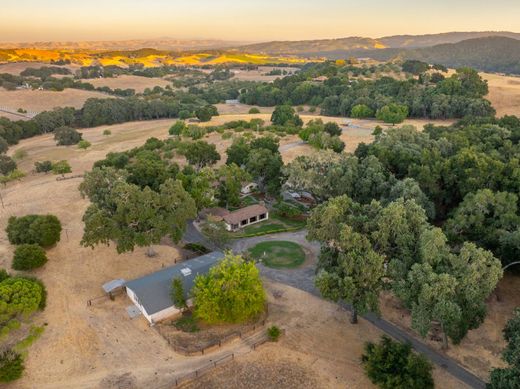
245, 216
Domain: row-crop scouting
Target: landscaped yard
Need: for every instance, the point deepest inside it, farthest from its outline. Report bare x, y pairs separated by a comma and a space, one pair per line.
274, 225
278, 254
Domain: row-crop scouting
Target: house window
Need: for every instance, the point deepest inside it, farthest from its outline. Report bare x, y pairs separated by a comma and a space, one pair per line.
234, 226
253, 219
243, 222
262, 216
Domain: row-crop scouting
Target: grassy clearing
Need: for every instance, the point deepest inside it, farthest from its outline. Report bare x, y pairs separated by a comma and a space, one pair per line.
279, 254
274, 225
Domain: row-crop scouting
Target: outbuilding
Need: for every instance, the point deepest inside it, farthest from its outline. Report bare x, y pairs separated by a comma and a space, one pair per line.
245, 216
151, 294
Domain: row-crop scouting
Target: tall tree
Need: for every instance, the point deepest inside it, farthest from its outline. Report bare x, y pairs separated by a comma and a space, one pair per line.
353, 273
139, 217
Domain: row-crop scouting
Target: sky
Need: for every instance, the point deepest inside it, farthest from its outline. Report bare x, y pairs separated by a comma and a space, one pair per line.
247, 20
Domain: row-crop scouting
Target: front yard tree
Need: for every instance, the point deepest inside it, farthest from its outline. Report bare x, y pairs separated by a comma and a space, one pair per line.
3, 145
232, 292
43, 166
66, 136
139, 217
352, 273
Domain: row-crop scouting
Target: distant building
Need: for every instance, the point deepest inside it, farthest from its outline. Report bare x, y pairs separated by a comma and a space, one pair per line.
320, 79
151, 293
245, 216
232, 102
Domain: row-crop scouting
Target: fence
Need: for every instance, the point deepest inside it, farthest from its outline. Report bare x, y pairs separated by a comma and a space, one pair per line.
214, 344
62, 178
199, 372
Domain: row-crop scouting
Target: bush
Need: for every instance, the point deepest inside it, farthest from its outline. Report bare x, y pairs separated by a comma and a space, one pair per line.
361, 111
7, 164
187, 323
28, 257
232, 292
3, 145
254, 110
43, 230
177, 294
43, 166
273, 333
66, 136
84, 144
197, 247
11, 365
393, 365
107, 132
178, 128
61, 167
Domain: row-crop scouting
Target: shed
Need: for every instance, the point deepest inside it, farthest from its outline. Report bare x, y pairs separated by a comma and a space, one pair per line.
245, 216
151, 293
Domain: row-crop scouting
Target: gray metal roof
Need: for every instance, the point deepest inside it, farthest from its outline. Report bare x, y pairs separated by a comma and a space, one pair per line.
153, 290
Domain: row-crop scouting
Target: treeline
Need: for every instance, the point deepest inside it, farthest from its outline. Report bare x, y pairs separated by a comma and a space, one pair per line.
434, 97
96, 112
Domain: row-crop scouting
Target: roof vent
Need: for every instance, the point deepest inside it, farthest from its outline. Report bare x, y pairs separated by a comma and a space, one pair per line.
186, 271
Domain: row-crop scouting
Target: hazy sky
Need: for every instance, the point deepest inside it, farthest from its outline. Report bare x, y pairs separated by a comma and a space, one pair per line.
36, 20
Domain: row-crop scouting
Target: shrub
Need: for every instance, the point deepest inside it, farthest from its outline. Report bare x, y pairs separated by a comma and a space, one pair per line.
11, 365
391, 365
178, 128
61, 167
28, 257
361, 111
187, 323
197, 247
43, 230
273, 333
7, 164
43, 166
177, 294
232, 292
254, 110
66, 136
84, 144
312, 109
14, 175
107, 132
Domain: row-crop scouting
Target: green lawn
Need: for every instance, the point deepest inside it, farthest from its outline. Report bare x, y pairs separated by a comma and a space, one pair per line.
278, 254
273, 225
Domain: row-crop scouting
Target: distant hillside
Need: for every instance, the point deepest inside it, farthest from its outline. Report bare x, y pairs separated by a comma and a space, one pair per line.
135, 44
319, 47
417, 41
338, 48
492, 54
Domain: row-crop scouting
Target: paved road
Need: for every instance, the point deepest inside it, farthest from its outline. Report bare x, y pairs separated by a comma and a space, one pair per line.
303, 278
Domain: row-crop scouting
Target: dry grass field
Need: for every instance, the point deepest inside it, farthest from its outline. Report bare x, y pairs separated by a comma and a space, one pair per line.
16, 68
504, 93
259, 74
41, 100
126, 81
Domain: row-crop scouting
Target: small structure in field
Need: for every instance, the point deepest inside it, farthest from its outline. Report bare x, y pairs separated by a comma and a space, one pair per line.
232, 102
151, 294
245, 216
248, 188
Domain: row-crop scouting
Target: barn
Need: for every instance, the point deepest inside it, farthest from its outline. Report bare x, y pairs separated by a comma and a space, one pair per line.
151, 293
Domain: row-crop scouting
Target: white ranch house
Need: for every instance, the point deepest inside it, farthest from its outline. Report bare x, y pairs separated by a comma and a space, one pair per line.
151, 293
